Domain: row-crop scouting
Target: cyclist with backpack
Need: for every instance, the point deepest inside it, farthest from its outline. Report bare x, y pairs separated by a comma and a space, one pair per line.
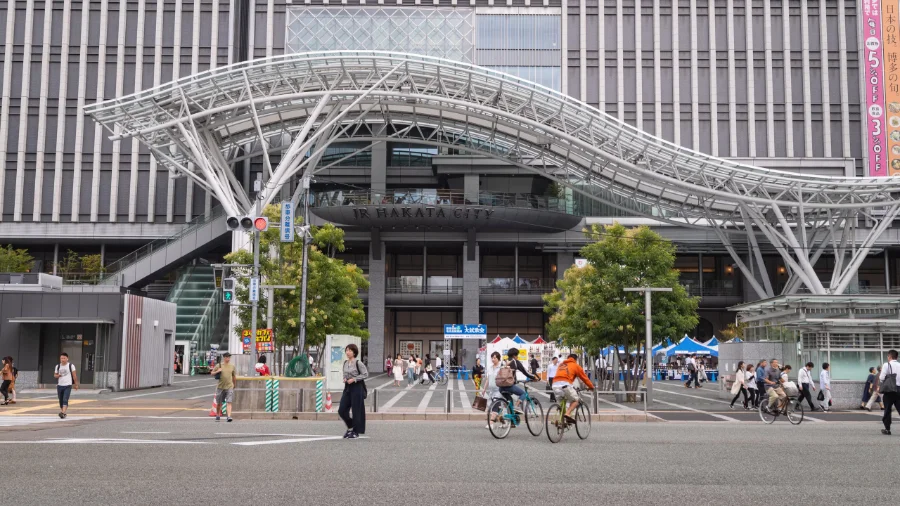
516, 366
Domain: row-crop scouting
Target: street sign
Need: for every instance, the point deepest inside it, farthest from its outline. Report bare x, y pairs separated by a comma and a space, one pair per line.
457, 331
287, 221
254, 289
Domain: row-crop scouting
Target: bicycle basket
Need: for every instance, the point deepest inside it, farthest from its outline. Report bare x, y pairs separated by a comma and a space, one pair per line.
790, 389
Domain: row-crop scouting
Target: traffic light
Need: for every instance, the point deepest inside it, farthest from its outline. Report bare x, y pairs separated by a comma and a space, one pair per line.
247, 223
228, 285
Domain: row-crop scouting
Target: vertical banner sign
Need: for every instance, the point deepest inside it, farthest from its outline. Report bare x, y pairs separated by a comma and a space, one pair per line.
287, 221
891, 38
254, 289
873, 85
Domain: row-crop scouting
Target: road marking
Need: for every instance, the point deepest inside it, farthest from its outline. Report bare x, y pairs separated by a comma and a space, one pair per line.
393, 400
145, 432
104, 441
16, 421
292, 440
805, 416
722, 417
390, 381
53, 406
209, 379
423, 405
464, 397
173, 390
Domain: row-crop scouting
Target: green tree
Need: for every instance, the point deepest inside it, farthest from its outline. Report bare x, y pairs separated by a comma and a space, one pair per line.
70, 264
590, 308
333, 302
15, 260
734, 331
92, 266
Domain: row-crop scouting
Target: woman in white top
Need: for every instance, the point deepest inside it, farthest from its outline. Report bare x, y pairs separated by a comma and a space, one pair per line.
739, 387
398, 370
490, 389
825, 385
750, 383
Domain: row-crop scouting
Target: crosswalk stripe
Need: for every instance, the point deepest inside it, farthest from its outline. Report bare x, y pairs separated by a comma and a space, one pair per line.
18, 421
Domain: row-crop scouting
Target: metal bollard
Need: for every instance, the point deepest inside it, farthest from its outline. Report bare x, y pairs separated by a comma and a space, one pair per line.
449, 401
375, 401
596, 405
300, 405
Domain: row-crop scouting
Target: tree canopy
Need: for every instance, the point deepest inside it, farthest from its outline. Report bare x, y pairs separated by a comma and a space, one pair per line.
590, 308
333, 302
15, 260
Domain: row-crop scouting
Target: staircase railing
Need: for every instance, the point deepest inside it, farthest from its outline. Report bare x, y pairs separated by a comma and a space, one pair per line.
115, 268
179, 285
211, 313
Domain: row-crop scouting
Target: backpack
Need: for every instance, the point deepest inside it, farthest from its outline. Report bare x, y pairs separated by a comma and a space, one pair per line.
506, 377
57, 369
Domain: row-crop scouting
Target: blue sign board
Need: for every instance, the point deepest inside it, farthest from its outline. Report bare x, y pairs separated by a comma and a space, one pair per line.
287, 222
462, 331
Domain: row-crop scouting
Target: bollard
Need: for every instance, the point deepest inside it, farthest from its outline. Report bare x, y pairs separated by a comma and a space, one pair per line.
300, 397
268, 396
375, 401
596, 399
276, 394
449, 401
319, 396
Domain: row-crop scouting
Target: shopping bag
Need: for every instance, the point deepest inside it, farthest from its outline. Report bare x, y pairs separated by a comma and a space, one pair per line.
480, 403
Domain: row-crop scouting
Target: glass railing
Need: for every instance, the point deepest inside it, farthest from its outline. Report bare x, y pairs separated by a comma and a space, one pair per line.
432, 197
114, 268
524, 286
713, 288
414, 284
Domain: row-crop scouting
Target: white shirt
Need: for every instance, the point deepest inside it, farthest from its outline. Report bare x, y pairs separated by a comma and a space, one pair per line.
825, 379
805, 378
750, 380
689, 361
551, 370
437, 362
894, 367
65, 377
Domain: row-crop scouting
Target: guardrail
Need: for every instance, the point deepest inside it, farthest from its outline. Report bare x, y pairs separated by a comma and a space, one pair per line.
434, 197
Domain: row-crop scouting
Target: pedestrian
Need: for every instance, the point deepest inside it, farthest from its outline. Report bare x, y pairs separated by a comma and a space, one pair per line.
353, 401
477, 374
398, 370
420, 370
889, 381
750, 384
227, 377
825, 385
760, 380
876, 395
701, 372
15, 376
804, 377
551, 372
261, 368
388, 365
411, 371
66, 380
534, 365
490, 389
428, 370
869, 388
739, 387
6, 376
691, 364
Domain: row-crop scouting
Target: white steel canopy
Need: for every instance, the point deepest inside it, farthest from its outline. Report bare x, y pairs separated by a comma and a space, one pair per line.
297, 105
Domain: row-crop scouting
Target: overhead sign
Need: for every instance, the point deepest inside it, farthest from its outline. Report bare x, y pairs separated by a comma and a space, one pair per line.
287, 221
265, 342
581, 263
462, 331
254, 289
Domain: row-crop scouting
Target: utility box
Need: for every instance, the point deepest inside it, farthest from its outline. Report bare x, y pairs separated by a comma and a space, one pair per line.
335, 357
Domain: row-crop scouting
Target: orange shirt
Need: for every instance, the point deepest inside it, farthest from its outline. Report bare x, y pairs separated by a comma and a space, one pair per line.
569, 370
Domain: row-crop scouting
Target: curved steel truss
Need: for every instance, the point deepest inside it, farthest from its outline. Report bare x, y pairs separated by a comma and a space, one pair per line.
289, 109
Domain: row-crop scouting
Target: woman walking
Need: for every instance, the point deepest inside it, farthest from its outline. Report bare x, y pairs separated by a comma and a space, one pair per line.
411, 371
6, 374
825, 385
353, 401
739, 387
869, 389
875, 397
398, 370
477, 373
750, 383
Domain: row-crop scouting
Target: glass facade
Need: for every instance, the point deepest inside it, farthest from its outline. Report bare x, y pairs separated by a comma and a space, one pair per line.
526, 46
444, 33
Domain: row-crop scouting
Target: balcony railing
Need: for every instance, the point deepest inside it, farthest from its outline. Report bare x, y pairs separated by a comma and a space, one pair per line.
413, 284
714, 288
433, 197
525, 286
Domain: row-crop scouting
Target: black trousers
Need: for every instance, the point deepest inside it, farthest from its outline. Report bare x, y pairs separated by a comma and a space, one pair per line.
550, 388
891, 400
743, 391
353, 408
4, 389
805, 394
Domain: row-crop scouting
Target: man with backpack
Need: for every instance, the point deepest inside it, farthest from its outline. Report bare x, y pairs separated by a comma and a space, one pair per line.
889, 382
66, 379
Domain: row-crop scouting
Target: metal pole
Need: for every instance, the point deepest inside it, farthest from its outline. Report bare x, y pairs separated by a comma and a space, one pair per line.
270, 308
648, 332
302, 338
255, 309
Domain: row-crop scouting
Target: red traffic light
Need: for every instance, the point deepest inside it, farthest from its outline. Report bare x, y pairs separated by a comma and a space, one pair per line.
261, 224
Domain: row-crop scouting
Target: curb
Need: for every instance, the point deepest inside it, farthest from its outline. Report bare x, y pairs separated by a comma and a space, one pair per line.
333, 417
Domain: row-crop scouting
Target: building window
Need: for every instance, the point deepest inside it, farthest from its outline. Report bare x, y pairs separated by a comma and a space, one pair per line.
525, 46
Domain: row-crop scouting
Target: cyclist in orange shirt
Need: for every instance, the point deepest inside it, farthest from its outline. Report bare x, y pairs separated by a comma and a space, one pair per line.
563, 383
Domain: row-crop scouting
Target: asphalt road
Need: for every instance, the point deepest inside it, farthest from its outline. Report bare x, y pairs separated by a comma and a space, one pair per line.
154, 461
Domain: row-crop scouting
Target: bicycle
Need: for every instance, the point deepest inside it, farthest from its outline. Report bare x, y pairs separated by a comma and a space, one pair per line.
557, 425
792, 409
507, 418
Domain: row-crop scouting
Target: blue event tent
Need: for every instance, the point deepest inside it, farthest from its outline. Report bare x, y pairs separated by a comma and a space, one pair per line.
688, 346
712, 342
519, 340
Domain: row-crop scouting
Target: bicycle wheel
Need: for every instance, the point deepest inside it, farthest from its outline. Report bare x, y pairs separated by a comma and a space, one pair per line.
795, 412
582, 421
443, 379
555, 424
534, 417
500, 428
764, 413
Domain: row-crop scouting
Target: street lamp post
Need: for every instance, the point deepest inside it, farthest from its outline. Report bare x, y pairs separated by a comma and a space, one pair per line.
648, 332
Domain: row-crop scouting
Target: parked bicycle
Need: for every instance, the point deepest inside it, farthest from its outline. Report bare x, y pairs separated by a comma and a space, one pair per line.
556, 422
507, 418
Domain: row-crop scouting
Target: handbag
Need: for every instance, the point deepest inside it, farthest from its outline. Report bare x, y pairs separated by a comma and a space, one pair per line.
821, 396
480, 403
889, 384
505, 377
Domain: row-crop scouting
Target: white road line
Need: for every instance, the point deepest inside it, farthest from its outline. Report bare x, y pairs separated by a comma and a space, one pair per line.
426, 399
464, 397
384, 385
198, 397
707, 413
105, 441
173, 390
18, 421
145, 432
283, 441
393, 400
209, 379
805, 417
268, 434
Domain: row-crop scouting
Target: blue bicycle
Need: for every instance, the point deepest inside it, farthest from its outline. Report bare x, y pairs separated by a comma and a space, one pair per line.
502, 414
